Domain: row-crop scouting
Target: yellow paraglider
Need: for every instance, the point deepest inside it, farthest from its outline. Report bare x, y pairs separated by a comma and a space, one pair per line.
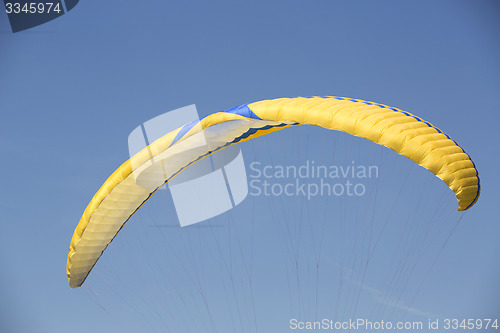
121, 195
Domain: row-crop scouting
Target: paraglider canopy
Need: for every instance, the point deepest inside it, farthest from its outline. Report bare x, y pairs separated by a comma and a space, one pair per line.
122, 195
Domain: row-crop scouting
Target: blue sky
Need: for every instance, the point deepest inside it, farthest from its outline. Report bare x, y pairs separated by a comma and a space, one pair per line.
72, 90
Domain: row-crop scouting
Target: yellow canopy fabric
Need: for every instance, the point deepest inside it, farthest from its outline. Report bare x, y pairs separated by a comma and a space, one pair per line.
120, 196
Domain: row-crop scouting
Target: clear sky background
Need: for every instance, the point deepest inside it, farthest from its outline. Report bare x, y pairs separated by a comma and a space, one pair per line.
72, 90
